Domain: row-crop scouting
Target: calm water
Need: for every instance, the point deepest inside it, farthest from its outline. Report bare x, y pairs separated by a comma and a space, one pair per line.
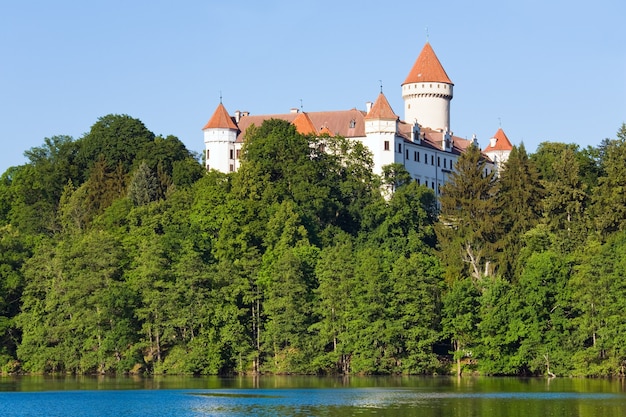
300, 396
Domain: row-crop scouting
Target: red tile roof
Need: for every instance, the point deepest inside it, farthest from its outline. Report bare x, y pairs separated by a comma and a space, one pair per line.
381, 109
220, 119
502, 142
326, 131
346, 123
303, 124
427, 68
432, 138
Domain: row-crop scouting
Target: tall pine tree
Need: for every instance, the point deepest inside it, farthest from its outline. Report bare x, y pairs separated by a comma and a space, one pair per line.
519, 200
469, 222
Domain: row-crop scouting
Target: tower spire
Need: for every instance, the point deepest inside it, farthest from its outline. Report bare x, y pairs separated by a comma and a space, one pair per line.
427, 91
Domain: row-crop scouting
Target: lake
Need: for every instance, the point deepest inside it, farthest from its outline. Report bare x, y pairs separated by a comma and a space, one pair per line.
310, 396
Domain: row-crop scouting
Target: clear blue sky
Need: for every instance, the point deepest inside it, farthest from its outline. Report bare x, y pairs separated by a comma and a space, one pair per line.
546, 70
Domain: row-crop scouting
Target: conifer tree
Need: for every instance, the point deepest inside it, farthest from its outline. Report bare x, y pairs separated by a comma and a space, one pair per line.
565, 202
143, 186
519, 200
469, 222
609, 202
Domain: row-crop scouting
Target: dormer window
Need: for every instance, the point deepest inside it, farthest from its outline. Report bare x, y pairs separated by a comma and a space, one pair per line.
352, 124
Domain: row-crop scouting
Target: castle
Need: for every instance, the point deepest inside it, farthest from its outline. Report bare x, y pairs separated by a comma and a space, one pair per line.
422, 142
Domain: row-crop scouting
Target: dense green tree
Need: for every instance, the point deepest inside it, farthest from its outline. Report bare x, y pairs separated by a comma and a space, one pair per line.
609, 202
164, 151
545, 156
598, 290
370, 336
498, 343
395, 176
287, 280
117, 139
144, 186
27, 207
278, 163
415, 311
14, 252
538, 316
77, 315
405, 223
459, 319
470, 223
55, 164
335, 273
519, 199
186, 172
565, 202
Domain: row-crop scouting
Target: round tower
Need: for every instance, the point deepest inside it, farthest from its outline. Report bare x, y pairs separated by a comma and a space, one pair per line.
427, 92
220, 135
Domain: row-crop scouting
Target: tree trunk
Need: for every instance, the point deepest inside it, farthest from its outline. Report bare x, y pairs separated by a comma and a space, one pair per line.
550, 374
458, 357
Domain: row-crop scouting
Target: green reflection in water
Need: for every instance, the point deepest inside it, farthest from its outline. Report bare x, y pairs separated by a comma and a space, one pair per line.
360, 396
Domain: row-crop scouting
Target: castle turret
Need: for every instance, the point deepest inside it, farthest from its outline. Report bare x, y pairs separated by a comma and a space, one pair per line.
499, 149
381, 128
220, 134
427, 92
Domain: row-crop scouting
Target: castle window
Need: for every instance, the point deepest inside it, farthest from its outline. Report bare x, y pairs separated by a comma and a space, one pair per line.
445, 163
238, 153
432, 160
207, 154
433, 184
232, 168
438, 161
415, 156
232, 154
425, 159
386, 145
406, 151
399, 148
419, 182
418, 157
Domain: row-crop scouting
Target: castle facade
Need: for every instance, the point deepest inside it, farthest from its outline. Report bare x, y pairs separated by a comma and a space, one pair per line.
422, 141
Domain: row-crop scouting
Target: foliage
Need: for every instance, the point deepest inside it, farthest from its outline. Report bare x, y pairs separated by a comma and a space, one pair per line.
120, 254
469, 220
519, 198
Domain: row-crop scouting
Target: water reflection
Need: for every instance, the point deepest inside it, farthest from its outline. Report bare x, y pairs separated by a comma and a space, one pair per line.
310, 396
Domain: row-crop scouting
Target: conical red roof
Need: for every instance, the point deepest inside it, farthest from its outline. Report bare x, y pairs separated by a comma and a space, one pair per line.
427, 68
220, 119
381, 109
502, 142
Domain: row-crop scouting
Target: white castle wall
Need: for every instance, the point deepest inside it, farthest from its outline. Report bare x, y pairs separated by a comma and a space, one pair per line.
428, 104
220, 153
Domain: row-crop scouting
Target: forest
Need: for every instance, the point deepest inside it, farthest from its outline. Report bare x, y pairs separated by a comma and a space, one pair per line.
120, 254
